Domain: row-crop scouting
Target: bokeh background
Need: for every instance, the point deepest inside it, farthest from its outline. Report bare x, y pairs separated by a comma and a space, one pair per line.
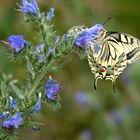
85, 114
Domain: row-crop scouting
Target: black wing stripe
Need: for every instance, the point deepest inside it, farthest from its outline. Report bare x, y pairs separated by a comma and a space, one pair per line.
126, 38
132, 53
113, 40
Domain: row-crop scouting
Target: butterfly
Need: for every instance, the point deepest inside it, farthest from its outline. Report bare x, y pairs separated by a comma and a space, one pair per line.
108, 52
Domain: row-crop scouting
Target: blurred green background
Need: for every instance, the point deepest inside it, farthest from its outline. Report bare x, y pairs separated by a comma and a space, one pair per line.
85, 114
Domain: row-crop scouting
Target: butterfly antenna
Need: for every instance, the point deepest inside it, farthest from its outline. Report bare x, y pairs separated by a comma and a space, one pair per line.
107, 21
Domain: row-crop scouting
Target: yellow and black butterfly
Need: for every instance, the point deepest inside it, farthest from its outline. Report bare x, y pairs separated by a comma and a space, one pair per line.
108, 53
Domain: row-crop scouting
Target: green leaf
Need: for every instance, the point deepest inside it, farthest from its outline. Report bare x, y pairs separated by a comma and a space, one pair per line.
30, 68
3, 89
16, 90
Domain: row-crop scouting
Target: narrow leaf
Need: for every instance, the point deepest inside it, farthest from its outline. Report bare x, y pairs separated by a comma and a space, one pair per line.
16, 90
30, 68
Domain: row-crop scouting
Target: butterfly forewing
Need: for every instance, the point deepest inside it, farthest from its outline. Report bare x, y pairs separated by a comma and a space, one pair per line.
130, 44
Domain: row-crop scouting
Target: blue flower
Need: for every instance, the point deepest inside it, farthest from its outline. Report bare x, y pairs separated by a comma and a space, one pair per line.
51, 89
116, 116
30, 8
17, 42
37, 106
89, 35
86, 134
95, 30
83, 40
13, 122
82, 98
50, 14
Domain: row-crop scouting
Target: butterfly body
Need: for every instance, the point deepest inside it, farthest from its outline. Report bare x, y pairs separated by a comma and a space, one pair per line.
108, 53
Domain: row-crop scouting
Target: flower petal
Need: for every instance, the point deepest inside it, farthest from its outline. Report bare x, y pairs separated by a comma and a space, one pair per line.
50, 14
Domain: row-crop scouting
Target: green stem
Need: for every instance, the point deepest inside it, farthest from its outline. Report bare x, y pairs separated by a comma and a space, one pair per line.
40, 77
43, 29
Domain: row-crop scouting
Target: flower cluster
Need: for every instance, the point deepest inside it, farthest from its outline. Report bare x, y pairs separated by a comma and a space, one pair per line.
30, 8
51, 89
13, 122
89, 35
27, 99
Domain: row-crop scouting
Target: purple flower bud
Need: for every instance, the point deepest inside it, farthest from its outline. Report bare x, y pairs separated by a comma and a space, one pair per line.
51, 50
13, 103
40, 48
38, 104
40, 52
50, 14
30, 8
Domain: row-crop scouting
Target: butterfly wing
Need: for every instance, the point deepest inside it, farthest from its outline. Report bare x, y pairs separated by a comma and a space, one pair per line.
130, 45
109, 62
